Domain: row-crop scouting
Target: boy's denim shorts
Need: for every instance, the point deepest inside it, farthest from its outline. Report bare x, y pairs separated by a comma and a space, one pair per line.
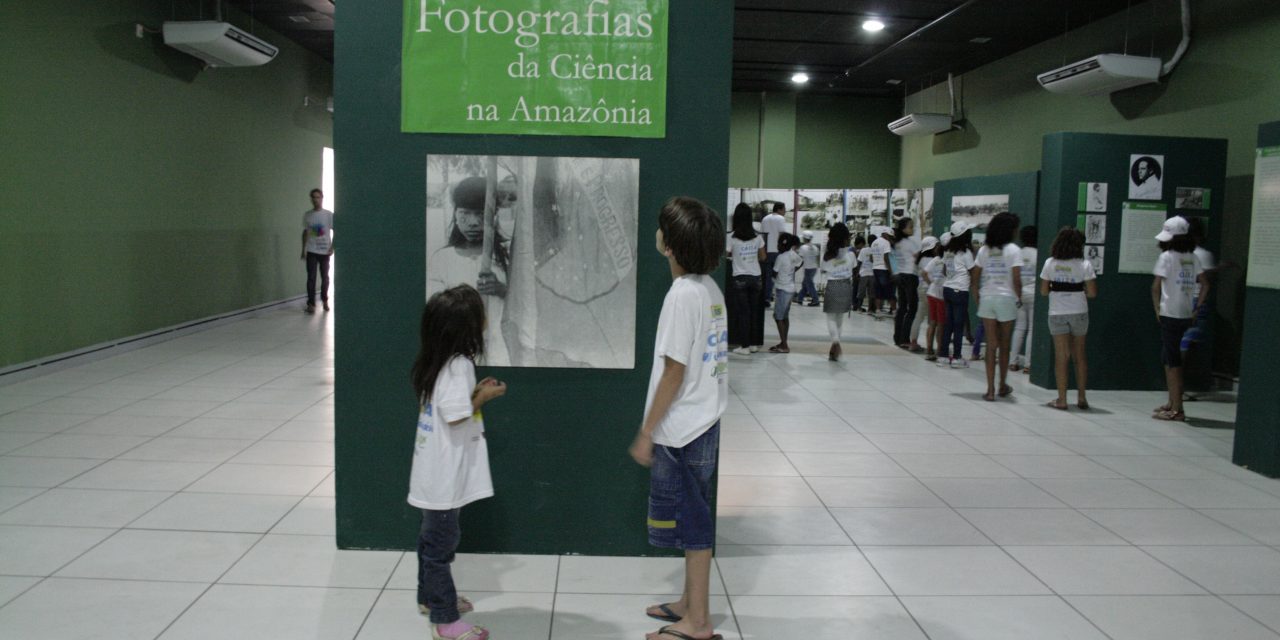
680, 514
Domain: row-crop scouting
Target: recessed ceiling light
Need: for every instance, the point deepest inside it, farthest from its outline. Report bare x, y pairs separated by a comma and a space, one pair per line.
299, 19
872, 25
982, 40
800, 78
893, 81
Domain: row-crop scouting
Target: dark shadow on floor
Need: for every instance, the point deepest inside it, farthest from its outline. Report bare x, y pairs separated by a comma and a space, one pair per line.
1202, 423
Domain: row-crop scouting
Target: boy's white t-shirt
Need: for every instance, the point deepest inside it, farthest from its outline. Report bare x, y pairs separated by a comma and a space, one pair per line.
841, 266
933, 267
1030, 255
864, 262
879, 250
810, 254
450, 462
997, 271
907, 248
785, 267
319, 226
1077, 270
1180, 271
773, 225
958, 266
746, 255
694, 331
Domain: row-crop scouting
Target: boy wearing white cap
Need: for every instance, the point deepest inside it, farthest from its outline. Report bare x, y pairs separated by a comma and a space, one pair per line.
1173, 296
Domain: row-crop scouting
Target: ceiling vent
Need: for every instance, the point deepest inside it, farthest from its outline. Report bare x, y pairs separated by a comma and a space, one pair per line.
921, 124
219, 44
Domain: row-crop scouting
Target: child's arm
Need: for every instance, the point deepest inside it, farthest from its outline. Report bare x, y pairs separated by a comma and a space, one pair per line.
1044, 287
1155, 294
668, 386
1203, 279
1015, 283
1091, 288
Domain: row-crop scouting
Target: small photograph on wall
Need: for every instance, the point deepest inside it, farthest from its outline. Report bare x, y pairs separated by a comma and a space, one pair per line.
1146, 177
866, 207
762, 202
922, 210
978, 211
1192, 198
1092, 197
550, 243
1095, 229
819, 209
1095, 255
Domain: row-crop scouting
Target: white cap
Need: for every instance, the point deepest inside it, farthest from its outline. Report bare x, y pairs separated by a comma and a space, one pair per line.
945, 239
807, 235
959, 227
880, 230
928, 243
1174, 226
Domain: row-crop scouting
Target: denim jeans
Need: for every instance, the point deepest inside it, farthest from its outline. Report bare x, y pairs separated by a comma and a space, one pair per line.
808, 290
908, 305
680, 514
748, 316
437, 542
957, 315
769, 260
317, 262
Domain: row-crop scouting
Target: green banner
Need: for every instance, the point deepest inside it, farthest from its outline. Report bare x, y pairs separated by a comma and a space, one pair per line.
546, 67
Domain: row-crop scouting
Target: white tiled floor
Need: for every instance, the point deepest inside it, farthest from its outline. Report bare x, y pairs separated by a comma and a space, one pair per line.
185, 490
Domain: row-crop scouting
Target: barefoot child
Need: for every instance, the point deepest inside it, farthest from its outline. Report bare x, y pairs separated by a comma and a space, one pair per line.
450, 459
688, 391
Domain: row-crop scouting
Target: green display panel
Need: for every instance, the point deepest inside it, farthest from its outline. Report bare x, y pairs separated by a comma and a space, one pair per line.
1257, 444
1124, 337
563, 480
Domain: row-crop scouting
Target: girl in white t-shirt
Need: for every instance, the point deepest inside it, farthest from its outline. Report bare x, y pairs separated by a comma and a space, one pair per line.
1069, 282
450, 458
999, 270
932, 261
1021, 348
837, 263
746, 249
958, 268
1174, 297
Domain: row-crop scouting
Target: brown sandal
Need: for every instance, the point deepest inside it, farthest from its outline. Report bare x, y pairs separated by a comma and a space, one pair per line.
1171, 416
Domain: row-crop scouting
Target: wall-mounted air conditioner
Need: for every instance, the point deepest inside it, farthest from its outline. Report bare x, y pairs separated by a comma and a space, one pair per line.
219, 44
921, 124
1102, 74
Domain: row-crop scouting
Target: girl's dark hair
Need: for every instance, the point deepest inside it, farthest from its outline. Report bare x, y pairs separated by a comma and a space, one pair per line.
837, 239
500, 253
860, 240
1030, 236
742, 219
962, 242
1068, 245
1184, 243
452, 325
1001, 229
786, 241
899, 229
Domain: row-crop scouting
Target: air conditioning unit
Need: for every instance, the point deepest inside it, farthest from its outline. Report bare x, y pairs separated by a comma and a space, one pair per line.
921, 124
1102, 74
218, 43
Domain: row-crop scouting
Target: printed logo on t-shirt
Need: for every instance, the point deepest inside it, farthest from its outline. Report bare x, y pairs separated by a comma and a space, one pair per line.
717, 349
424, 424
317, 230
1186, 267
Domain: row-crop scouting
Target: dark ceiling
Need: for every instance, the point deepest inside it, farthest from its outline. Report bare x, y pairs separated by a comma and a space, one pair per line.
923, 39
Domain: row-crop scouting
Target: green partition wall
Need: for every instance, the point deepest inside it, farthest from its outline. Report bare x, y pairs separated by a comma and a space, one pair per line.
558, 440
1022, 189
1257, 444
1124, 338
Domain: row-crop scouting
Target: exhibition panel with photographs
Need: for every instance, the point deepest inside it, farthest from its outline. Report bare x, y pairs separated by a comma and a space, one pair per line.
550, 243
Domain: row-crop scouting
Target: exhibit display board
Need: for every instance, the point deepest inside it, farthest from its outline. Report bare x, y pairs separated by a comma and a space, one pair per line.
563, 481
1257, 441
1264, 231
559, 67
1121, 189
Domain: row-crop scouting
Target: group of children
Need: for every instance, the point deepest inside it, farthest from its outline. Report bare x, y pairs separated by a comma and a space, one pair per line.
678, 438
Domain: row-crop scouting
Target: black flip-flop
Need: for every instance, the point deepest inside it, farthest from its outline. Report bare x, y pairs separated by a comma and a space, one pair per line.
667, 614
668, 631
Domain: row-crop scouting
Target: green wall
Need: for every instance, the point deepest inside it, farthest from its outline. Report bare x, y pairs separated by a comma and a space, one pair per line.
1257, 444
138, 190
813, 141
558, 440
1223, 88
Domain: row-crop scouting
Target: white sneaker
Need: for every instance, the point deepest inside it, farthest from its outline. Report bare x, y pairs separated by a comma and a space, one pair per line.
959, 363
943, 362
754, 348
742, 351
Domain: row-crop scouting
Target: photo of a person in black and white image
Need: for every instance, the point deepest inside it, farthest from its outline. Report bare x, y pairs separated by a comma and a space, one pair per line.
550, 244
1097, 199
1191, 198
1094, 254
1146, 177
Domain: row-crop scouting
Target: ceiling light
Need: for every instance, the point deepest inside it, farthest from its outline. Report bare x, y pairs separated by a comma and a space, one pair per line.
800, 78
873, 25
299, 19
893, 81
981, 40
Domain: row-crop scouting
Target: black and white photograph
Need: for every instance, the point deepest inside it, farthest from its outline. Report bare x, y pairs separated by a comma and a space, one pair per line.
819, 209
1093, 197
1095, 254
1192, 198
1095, 229
550, 243
866, 207
978, 211
761, 202
1146, 177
